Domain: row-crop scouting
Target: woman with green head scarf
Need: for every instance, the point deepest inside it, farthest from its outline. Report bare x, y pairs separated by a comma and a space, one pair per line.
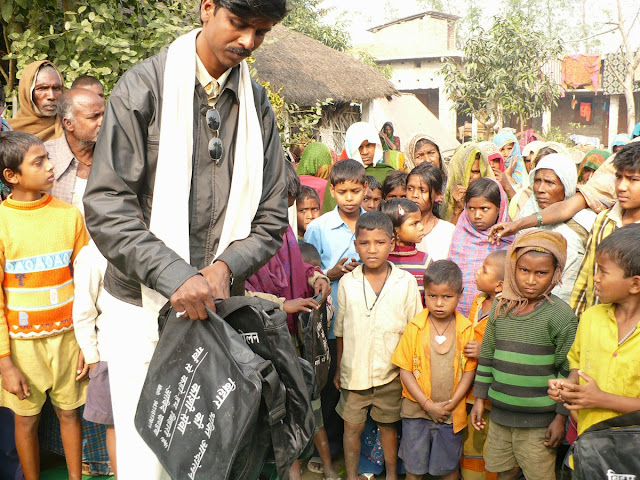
590, 163
314, 167
315, 156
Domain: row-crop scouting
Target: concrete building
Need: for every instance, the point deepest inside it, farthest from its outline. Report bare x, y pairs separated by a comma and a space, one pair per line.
416, 48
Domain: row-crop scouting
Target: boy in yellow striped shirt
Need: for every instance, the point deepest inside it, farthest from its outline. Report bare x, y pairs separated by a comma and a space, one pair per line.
40, 237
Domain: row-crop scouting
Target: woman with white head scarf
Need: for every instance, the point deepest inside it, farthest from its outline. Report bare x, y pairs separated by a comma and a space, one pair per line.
362, 144
553, 180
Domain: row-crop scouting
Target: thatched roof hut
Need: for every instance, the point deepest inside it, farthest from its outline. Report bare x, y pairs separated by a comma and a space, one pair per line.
310, 71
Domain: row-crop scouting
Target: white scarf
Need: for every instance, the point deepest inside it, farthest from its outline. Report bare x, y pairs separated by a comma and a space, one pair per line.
170, 208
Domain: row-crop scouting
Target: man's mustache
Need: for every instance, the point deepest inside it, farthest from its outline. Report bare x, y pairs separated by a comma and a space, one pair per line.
243, 52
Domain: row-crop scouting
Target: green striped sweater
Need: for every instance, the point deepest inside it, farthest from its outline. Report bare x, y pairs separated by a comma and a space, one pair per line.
519, 354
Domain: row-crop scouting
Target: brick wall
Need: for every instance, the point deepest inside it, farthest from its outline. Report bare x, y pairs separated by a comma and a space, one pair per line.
563, 115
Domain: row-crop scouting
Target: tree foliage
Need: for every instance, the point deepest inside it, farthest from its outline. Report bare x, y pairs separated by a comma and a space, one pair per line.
87, 37
502, 73
104, 39
305, 16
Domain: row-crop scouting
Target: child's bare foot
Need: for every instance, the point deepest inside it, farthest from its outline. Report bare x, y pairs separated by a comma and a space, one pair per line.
392, 475
329, 472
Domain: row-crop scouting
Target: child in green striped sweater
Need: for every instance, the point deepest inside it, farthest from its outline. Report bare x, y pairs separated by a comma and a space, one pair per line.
526, 341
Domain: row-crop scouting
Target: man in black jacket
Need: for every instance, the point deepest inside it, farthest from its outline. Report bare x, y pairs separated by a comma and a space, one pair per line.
207, 238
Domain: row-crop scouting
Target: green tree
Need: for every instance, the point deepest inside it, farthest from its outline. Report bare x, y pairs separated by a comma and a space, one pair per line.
305, 16
502, 73
106, 39
100, 39
630, 52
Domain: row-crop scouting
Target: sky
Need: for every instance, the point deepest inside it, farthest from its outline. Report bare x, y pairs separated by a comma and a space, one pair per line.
364, 14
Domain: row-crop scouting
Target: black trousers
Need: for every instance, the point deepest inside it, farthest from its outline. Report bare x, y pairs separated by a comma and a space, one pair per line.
333, 423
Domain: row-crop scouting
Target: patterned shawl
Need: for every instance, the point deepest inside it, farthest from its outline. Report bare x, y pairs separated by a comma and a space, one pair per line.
29, 119
460, 171
636, 131
285, 275
593, 159
506, 137
315, 155
469, 248
538, 240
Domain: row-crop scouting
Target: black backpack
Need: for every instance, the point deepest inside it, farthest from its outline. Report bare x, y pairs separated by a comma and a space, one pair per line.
212, 407
609, 449
315, 347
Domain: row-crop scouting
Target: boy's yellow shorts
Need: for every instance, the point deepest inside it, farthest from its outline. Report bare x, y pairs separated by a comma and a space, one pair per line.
49, 364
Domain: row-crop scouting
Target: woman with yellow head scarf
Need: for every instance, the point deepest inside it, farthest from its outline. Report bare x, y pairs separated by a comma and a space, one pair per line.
468, 163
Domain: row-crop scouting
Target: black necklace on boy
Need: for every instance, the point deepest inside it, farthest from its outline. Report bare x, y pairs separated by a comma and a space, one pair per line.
441, 337
364, 291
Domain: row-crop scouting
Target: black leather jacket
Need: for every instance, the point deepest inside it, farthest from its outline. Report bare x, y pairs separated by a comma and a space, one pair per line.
120, 188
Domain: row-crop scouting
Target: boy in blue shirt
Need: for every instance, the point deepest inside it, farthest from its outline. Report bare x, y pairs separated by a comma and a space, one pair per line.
333, 233
333, 236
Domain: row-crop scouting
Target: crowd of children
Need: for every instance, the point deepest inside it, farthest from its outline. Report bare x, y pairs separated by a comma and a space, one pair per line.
447, 341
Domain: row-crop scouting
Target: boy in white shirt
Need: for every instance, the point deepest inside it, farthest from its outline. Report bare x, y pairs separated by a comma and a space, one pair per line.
376, 301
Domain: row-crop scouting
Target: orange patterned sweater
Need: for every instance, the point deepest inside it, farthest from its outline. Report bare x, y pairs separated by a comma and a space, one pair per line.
38, 242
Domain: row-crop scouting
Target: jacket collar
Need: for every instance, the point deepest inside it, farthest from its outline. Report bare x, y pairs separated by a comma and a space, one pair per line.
63, 155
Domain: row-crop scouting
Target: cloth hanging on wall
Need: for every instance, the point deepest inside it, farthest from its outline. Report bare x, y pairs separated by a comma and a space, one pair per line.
581, 71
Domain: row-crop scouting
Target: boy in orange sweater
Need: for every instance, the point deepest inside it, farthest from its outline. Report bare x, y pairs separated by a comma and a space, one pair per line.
39, 354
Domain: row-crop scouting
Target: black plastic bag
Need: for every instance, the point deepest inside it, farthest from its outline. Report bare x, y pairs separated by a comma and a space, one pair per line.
609, 449
264, 326
201, 410
315, 347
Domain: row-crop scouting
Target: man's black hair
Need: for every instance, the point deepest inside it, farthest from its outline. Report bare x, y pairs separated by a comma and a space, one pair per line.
310, 254
397, 209
307, 192
13, 148
373, 183
293, 181
623, 247
274, 10
348, 170
628, 158
394, 180
374, 221
84, 81
483, 187
443, 272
